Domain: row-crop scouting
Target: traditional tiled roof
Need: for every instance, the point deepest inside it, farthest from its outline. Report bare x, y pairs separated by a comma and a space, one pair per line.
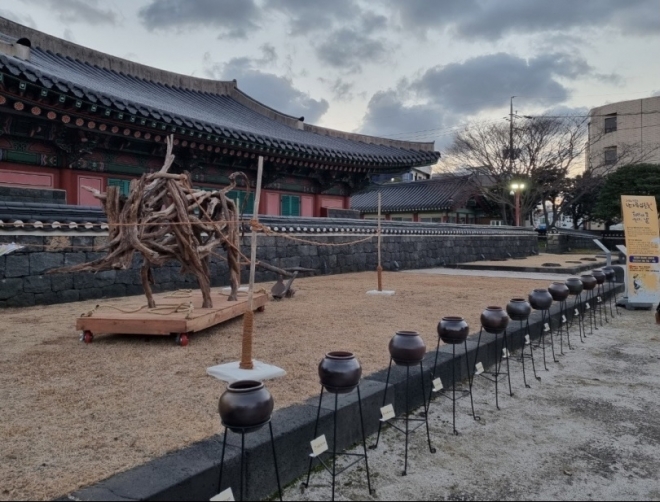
187, 105
436, 194
17, 218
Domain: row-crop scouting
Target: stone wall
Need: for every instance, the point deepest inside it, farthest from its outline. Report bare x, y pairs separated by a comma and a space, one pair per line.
24, 282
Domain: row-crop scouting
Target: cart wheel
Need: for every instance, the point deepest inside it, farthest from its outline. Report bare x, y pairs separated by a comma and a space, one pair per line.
182, 339
261, 309
88, 337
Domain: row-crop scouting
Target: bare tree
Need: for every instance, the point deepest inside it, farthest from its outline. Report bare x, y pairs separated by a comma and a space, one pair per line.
548, 156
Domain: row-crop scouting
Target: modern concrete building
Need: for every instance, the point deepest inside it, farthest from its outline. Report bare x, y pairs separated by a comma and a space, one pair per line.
622, 133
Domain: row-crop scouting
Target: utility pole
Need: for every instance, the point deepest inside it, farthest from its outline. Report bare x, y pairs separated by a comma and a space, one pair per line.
511, 136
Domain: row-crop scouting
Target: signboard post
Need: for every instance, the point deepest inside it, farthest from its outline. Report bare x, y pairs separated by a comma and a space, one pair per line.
640, 221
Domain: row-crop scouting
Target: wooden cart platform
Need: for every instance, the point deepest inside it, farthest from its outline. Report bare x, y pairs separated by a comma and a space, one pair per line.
172, 315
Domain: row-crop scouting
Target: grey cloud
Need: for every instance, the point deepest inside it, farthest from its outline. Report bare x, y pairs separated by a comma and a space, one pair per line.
341, 89
387, 115
270, 89
23, 19
68, 35
73, 11
306, 16
371, 22
487, 82
487, 19
350, 49
269, 53
234, 18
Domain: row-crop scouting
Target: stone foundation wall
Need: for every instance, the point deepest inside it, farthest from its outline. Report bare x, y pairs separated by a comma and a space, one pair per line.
24, 282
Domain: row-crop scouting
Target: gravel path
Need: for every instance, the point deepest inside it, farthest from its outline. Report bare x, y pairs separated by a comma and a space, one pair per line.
590, 430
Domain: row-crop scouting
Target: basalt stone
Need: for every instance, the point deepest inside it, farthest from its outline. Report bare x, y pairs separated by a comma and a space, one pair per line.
114, 290
61, 282
21, 300
2, 266
69, 296
17, 266
83, 280
74, 259
90, 293
10, 288
41, 262
37, 284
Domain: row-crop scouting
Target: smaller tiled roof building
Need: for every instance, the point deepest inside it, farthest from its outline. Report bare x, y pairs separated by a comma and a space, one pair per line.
444, 199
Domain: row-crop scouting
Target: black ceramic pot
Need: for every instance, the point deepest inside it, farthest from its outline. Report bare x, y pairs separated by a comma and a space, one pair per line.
588, 281
609, 273
540, 299
559, 291
518, 309
340, 372
575, 285
245, 405
599, 275
453, 330
407, 348
494, 319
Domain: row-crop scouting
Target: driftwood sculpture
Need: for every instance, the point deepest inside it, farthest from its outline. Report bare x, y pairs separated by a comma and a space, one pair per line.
164, 218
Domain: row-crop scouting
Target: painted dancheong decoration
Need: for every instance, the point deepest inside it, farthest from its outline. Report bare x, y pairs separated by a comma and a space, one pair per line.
640, 221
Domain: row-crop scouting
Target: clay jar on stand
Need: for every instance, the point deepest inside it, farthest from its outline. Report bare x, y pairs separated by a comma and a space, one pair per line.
609, 273
245, 405
494, 320
599, 275
340, 372
518, 309
407, 348
588, 281
559, 291
574, 285
453, 330
540, 299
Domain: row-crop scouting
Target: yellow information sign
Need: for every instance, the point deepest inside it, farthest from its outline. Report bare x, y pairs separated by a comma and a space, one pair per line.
640, 221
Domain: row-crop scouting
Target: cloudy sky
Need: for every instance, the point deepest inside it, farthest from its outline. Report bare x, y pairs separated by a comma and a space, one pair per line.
406, 69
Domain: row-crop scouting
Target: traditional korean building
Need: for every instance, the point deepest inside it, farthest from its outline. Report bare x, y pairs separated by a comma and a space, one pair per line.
444, 199
73, 117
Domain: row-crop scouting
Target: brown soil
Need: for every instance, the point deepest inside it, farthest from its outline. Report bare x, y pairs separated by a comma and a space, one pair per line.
72, 414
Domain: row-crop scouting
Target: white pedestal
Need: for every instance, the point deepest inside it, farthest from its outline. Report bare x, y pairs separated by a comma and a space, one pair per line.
375, 292
241, 289
230, 372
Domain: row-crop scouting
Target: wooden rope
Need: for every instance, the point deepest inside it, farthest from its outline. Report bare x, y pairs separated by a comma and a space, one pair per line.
246, 352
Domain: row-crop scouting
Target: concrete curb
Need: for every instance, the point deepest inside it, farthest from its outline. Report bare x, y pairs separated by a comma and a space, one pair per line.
548, 270
192, 472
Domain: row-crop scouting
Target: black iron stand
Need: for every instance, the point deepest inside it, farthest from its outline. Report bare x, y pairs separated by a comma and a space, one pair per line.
497, 374
612, 283
600, 294
588, 305
462, 392
524, 323
577, 311
406, 416
243, 431
332, 469
563, 323
545, 316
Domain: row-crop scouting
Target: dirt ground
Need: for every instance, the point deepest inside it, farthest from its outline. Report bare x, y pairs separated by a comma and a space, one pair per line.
590, 430
72, 414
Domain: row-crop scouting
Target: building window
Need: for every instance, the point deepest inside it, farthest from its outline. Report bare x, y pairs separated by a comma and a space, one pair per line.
239, 196
402, 218
610, 123
430, 219
124, 185
610, 155
290, 205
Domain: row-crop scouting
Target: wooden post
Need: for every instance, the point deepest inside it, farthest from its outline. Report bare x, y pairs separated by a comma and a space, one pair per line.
248, 318
379, 269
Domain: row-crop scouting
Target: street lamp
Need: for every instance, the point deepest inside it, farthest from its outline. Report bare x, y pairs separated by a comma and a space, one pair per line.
516, 188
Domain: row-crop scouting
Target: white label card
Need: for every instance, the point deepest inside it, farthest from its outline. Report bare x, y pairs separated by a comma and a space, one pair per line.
588, 306
527, 340
563, 318
224, 496
319, 445
600, 299
546, 327
437, 385
387, 412
577, 312
479, 369
506, 354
